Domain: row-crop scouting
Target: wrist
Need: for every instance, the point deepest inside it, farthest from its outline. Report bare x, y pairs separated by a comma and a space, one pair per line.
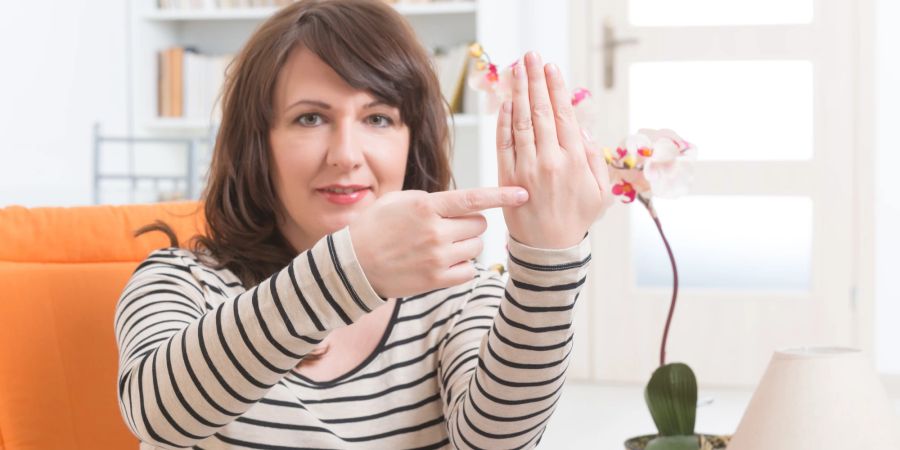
363, 259
550, 242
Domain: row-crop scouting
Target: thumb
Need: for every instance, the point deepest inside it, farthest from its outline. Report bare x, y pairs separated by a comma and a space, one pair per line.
597, 163
466, 201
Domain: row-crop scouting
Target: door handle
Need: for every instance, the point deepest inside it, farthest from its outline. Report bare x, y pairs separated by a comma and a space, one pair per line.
610, 44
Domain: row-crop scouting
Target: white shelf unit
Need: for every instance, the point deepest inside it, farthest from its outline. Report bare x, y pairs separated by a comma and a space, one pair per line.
217, 32
224, 31
407, 9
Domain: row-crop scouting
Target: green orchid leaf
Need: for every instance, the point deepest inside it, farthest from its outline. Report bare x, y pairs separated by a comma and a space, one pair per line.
671, 396
674, 443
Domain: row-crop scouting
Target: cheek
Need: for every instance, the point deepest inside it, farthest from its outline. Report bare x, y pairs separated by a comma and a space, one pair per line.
393, 159
391, 164
293, 160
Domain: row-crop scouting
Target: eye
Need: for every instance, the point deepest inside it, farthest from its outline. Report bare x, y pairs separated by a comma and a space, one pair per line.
380, 120
310, 119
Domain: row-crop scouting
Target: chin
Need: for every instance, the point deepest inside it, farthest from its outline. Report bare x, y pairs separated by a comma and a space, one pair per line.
339, 221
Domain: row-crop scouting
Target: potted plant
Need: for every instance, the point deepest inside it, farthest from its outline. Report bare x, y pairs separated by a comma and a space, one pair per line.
648, 164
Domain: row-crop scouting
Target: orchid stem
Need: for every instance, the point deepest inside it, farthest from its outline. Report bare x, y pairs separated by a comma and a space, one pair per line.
662, 351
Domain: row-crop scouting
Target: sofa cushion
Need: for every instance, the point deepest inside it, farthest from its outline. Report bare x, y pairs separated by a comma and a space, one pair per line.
92, 233
61, 272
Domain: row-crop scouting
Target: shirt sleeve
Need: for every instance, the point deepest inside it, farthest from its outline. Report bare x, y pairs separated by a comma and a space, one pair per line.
188, 368
504, 360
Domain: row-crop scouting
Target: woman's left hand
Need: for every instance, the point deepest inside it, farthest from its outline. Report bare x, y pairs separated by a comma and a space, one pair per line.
541, 147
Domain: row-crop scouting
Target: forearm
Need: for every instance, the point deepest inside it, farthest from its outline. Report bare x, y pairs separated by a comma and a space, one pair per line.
207, 370
521, 363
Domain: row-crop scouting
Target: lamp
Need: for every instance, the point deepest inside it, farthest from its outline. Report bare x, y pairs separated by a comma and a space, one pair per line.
822, 398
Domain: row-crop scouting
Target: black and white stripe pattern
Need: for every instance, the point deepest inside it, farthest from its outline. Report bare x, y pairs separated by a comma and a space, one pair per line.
206, 364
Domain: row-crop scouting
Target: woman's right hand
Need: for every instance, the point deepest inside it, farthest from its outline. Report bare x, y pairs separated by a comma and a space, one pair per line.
410, 242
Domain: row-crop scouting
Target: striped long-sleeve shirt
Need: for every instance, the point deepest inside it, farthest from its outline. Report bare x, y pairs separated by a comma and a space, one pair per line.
206, 363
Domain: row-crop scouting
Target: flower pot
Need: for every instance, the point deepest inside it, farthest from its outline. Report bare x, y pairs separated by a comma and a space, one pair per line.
707, 442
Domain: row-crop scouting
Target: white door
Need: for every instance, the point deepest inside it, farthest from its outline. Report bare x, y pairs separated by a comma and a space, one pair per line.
764, 242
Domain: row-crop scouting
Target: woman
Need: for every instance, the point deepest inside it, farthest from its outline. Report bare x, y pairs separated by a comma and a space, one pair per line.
333, 303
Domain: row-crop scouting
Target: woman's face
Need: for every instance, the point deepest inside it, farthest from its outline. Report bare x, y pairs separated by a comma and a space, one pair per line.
335, 149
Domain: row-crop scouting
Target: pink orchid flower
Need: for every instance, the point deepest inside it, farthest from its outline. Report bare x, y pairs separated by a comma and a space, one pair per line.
624, 189
484, 76
655, 162
669, 169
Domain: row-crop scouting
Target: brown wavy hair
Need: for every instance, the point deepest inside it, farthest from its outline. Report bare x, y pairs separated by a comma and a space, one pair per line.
373, 48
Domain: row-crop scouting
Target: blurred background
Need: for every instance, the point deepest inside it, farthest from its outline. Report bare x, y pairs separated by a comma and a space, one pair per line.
785, 239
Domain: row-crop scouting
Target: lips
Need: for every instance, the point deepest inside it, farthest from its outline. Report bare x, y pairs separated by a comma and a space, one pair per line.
344, 194
343, 189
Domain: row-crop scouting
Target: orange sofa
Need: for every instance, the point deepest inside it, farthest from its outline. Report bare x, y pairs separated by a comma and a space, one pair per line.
61, 273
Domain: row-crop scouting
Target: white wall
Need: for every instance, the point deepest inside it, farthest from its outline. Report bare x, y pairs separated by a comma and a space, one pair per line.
507, 29
63, 69
887, 186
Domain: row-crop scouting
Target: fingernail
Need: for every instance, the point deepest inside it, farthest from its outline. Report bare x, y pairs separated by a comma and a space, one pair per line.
521, 196
517, 71
552, 70
535, 57
587, 135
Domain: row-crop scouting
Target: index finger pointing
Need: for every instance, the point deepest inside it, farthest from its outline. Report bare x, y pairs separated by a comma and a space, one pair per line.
466, 201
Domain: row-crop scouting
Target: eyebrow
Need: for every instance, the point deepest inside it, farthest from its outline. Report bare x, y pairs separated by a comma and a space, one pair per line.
324, 105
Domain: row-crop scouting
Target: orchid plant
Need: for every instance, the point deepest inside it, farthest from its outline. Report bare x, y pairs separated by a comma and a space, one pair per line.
648, 164
645, 165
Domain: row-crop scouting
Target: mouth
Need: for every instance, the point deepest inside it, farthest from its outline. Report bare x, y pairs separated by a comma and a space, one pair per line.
344, 195
337, 189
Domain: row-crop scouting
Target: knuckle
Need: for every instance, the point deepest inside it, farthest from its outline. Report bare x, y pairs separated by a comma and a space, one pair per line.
549, 165
542, 109
421, 205
434, 260
409, 194
389, 196
565, 114
393, 198
471, 200
432, 238
522, 124
433, 277
504, 142
527, 147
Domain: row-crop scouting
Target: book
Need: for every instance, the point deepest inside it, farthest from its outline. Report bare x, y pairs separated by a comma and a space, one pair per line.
176, 67
451, 66
161, 80
189, 83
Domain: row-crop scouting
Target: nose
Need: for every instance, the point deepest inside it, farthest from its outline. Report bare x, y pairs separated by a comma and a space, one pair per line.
344, 150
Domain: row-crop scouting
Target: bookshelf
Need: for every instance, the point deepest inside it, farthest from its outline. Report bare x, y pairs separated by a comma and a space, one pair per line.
260, 13
216, 31
213, 31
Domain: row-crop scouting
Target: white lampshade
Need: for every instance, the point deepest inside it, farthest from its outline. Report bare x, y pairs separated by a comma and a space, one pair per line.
819, 398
